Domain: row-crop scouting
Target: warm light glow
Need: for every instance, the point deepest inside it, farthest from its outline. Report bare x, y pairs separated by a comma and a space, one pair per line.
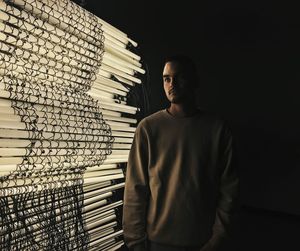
65, 125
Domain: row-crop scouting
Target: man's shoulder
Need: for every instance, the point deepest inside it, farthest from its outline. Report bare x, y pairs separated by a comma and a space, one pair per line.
213, 119
153, 118
209, 118
204, 115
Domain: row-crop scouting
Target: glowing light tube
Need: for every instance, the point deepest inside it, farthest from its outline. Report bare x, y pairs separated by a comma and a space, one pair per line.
66, 126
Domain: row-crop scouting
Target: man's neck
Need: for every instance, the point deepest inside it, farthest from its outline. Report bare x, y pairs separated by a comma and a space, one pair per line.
182, 110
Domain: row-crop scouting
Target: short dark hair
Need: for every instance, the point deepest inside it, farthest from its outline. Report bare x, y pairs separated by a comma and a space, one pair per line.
188, 65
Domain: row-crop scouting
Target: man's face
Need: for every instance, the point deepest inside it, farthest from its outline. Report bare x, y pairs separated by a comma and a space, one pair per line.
177, 85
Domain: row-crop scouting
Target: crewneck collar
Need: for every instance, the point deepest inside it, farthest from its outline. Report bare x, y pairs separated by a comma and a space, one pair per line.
181, 118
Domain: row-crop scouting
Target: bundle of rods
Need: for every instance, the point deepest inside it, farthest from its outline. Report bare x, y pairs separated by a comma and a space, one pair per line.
65, 126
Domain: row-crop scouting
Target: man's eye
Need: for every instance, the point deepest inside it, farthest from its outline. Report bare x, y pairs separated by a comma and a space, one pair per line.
167, 80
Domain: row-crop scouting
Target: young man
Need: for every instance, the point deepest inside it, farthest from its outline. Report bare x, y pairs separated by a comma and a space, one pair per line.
181, 188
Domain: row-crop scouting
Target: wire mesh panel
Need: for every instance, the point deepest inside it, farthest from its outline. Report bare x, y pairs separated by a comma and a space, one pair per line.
65, 126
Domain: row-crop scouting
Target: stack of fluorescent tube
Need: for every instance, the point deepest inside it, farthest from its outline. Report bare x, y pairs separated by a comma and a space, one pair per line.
65, 126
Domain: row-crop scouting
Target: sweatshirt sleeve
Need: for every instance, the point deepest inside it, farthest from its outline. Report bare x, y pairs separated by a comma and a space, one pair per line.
228, 201
136, 193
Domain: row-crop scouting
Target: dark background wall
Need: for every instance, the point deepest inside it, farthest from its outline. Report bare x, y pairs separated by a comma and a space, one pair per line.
248, 55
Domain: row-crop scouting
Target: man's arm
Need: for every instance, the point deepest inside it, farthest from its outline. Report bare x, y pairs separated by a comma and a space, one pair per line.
136, 191
228, 200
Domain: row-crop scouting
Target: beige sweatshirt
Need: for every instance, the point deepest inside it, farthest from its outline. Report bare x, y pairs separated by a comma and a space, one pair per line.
181, 183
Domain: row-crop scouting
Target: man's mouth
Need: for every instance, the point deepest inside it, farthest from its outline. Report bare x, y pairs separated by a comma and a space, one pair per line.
172, 92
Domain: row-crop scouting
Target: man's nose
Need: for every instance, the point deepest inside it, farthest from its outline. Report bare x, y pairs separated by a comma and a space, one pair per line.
173, 82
